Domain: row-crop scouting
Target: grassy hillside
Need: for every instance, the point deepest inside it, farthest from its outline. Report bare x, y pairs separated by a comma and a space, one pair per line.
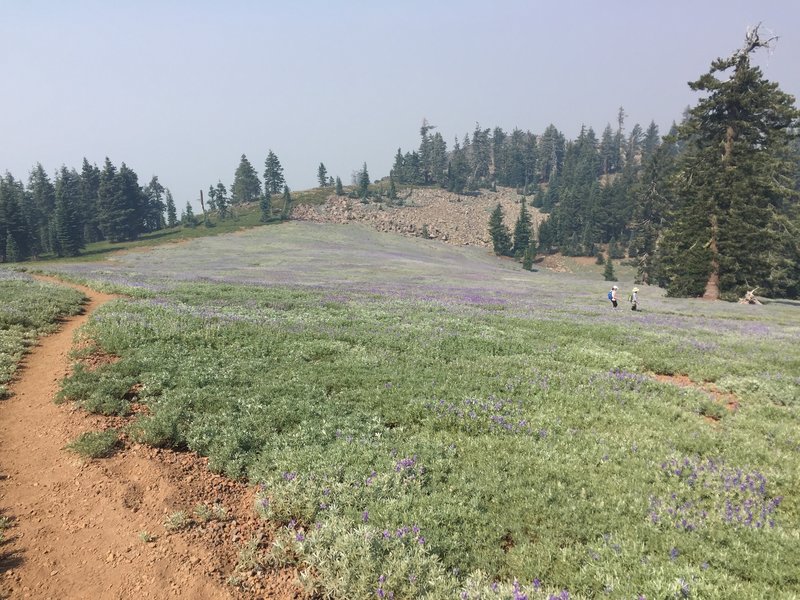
431, 420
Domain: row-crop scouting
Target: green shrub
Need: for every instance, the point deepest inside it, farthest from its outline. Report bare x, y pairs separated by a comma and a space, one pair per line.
95, 444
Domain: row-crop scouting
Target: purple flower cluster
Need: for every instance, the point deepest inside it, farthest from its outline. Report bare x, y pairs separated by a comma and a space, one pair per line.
493, 415
709, 489
380, 592
405, 463
621, 380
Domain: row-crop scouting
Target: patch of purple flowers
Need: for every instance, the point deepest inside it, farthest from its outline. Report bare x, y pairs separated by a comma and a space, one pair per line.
705, 490
493, 415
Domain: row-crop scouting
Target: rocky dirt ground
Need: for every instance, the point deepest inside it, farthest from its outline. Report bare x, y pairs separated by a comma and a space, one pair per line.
450, 218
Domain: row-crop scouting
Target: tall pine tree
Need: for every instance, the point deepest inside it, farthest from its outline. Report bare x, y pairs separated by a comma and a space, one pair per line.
246, 185
501, 238
736, 181
522, 231
273, 174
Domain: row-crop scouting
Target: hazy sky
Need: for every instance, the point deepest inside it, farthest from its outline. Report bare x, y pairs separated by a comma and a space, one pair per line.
182, 89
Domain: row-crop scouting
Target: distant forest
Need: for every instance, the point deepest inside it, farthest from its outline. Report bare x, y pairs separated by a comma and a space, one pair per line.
709, 209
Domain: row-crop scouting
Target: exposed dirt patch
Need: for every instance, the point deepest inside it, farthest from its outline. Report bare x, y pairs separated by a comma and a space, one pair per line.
78, 528
726, 399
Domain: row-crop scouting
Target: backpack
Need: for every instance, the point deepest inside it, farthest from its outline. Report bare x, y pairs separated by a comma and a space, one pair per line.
610, 293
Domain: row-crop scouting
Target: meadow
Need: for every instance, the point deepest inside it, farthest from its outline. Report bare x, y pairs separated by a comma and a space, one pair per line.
430, 421
28, 309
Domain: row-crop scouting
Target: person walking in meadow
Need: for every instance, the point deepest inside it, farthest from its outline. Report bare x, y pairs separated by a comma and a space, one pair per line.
634, 299
612, 295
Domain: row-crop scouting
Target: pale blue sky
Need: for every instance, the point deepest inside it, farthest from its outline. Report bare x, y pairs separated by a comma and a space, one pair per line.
182, 88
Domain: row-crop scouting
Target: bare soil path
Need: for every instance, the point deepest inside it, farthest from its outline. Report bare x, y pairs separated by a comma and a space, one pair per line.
76, 526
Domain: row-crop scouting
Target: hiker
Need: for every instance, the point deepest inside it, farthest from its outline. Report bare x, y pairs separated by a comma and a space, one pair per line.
612, 295
634, 299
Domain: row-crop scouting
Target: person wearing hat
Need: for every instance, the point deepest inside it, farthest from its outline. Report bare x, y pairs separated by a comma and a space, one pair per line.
614, 292
634, 299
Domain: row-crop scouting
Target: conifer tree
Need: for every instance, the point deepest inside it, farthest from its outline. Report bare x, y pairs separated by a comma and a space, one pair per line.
528, 257
392, 188
273, 174
67, 222
188, 218
724, 236
246, 185
111, 204
223, 203
339, 188
154, 205
287, 203
363, 182
501, 237
172, 216
88, 209
41, 197
266, 207
322, 175
12, 253
12, 217
608, 272
522, 231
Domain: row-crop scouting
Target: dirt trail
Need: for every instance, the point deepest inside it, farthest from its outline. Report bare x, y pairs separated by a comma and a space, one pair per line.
76, 526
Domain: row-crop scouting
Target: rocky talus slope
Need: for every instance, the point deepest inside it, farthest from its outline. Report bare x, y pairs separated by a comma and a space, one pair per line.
448, 217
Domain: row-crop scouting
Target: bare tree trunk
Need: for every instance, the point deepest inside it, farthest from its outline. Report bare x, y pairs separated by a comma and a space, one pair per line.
712, 285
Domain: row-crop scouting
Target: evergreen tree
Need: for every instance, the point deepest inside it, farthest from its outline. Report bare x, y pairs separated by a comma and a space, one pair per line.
12, 253
274, 181
266, 207
212, 198
111, 204
458, 170
547, 235
652, 197
41, 198
67, 223
223, 203
88, 209
724, 236
172, 216
522, 231
187, 218
12, 217
154, 205
651, 142
392, 188
399, 167
339, 188
614, 249
362, 181
608, 272
501, 237
246, 186
287, 203
528, 257
132, 212
480, 155
322, 175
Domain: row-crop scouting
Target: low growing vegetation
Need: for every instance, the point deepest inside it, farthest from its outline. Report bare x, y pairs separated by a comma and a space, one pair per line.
95, 444
425, 421
27, 310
